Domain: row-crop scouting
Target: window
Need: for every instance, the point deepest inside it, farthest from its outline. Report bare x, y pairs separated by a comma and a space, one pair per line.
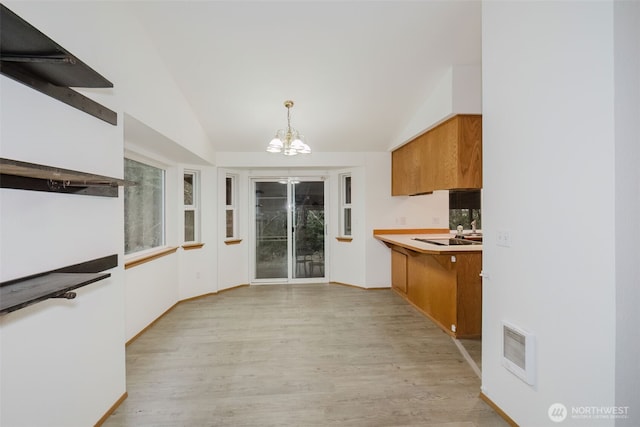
345, 204
230, 207
143, 207
191, 207
464, 207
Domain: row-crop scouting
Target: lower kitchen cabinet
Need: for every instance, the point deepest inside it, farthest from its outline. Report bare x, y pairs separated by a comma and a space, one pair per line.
443, 282
448, 289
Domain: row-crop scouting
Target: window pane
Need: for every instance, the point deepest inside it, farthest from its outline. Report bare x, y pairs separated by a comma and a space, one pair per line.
347, 221
189, 226
143, 207
347, 190
464, 199
230, 223
464, 218
188, 189
229, 199
464, 207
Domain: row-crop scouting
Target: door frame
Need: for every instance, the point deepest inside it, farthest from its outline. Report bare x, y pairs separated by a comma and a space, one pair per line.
290, 236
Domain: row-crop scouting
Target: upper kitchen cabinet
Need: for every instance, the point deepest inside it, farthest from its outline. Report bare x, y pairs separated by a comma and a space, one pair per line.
405, 173
446, 157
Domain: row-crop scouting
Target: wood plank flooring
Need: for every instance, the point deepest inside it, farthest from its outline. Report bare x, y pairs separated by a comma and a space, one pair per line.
299, 355
474, 349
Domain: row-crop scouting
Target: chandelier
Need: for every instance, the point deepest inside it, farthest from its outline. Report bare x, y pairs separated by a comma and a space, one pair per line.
288, 141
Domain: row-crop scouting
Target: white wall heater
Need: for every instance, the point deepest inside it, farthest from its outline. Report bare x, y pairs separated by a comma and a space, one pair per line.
518, 352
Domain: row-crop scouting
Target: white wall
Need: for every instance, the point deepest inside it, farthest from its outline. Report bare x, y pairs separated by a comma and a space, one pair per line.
348, 259
549, 159
151, 289
198, 266
233, 260
59, 352
458, 92
154, 287
627, 199
467, 89
386, 212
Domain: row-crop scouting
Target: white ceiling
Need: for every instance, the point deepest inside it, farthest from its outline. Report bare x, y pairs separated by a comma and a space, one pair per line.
357, 70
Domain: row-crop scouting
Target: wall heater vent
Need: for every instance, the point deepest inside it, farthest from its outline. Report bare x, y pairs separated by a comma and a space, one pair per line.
518, 350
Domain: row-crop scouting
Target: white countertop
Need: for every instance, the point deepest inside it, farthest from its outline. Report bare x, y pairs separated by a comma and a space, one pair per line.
407, 241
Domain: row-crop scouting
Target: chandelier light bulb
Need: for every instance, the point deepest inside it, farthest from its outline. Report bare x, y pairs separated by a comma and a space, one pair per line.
297, 144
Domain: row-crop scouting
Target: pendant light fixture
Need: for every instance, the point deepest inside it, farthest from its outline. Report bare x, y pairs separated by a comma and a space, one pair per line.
288, 141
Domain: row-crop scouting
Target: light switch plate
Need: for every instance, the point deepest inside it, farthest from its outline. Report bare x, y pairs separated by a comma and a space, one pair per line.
503, 238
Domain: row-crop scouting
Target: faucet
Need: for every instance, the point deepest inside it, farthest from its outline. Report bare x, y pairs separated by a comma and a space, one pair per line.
473, 227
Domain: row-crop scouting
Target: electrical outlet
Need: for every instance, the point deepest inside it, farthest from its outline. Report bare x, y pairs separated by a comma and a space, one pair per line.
503, 238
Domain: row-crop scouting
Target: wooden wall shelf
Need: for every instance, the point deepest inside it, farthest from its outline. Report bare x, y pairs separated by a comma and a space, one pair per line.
20, 293
33, 59
30, 176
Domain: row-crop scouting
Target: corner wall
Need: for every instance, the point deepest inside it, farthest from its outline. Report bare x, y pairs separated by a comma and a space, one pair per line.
627, 199
458, 92
549, 165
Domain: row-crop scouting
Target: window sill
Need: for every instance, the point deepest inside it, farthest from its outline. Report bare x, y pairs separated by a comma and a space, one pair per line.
232, 241
190, 246
344, 239
133, 262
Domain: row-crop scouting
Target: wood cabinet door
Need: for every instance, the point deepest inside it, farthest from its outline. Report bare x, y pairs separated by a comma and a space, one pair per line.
399, 271
400, 176
444, 140
432, 288
469, 152
405, 169
396, 173
449, 156
469, 291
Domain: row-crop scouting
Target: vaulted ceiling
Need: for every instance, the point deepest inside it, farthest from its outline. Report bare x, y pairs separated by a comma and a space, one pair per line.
357, 70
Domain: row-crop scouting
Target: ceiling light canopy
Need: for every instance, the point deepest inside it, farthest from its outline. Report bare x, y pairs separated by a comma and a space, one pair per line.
288, 141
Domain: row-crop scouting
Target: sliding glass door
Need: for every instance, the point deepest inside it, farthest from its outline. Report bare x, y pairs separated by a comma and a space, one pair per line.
289, 231
308, 229
271, 230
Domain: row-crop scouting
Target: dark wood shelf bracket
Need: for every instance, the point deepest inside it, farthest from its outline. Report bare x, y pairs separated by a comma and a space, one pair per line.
30, 176
25, 291
30, 57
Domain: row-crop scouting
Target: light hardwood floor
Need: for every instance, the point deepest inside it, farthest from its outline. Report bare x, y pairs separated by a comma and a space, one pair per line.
299, 355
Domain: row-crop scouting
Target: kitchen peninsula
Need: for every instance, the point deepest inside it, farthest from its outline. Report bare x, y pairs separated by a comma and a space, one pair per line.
441, 280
